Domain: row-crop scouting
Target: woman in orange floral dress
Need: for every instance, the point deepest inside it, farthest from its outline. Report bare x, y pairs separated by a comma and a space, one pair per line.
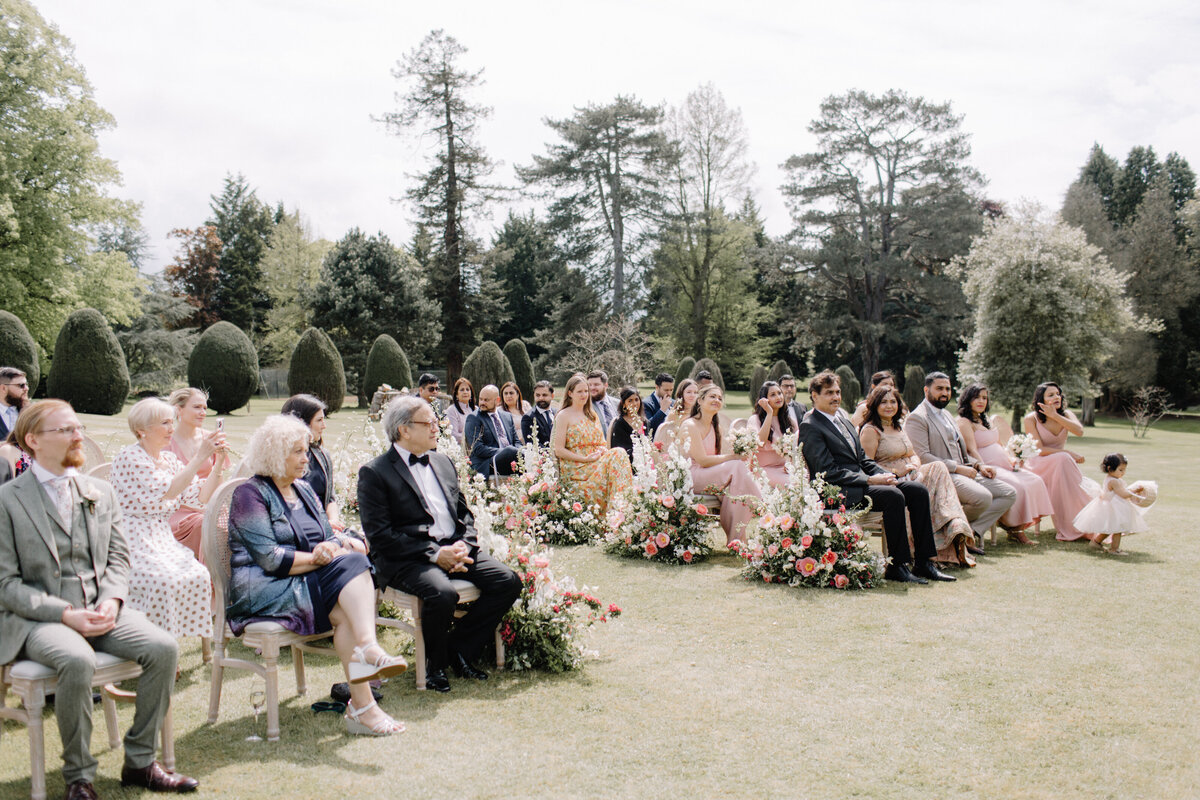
586, 464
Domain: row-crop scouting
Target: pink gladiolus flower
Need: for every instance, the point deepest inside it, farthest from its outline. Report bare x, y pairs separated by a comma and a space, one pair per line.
805, 541
701, 509
806, 566
786, 543
577, 507
841, 581
786, 522
651, 548
667, 500
830, 557
662, 540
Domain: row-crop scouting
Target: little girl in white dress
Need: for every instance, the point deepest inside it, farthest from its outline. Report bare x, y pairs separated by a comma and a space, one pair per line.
1117, 511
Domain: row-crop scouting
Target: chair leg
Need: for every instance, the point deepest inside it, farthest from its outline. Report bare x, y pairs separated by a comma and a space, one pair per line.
418, 646
992, 535
110, 720
35, 704
298, 663
271, 665
499, 649
167, 734
214, 691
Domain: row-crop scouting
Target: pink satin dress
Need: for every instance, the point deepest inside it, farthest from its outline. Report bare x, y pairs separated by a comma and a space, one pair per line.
1033, 500
1064, 483
773, 464
733, 478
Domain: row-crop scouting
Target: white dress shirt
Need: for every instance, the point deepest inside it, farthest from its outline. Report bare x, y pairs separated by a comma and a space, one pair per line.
435, 498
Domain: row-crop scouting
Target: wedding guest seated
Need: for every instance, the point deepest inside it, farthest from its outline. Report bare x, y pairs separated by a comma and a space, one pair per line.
586, 465
831, 448
64, 579
311, 411
603, 404
704, 379
983, 435
794, 406
287, 565
460, 408
166, 582
884, 442
191, 409
422, 534
14, 395
489, 436
668, 432
1049, 423
771, 419
428, 388
712, 468
632, 422
935, 437
539, 420
659, 402
878, 379
13, 456
512, 401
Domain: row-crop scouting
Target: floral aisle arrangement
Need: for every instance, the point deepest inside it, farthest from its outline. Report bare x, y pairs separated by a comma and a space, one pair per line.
353, 449
806, 537
664, 520
1022, 447
535, 502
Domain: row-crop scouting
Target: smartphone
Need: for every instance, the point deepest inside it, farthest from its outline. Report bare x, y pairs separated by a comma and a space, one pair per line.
220, 424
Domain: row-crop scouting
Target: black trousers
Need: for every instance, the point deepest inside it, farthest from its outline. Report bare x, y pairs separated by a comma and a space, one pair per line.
498, 586
891, 501
503, 461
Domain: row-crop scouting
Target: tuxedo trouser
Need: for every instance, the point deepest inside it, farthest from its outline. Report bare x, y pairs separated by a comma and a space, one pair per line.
502, 462
891, 501
498, 587
73, 658
984, 500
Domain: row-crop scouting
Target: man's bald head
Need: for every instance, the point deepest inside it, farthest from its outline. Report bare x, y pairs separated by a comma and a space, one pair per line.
488, 396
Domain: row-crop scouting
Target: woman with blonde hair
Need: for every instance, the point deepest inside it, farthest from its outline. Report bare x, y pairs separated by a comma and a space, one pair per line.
191, 409
585, 461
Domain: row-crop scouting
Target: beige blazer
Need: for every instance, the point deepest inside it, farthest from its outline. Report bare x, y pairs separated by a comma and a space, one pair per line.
929, 439
30, 573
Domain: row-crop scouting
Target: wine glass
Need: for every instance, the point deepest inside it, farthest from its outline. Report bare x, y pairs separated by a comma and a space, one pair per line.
258, 699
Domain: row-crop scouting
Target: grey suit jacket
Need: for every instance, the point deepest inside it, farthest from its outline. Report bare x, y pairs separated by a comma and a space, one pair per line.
930, 440
30, 573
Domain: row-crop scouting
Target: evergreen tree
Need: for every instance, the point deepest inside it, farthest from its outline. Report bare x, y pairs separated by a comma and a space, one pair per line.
88, 370
778, 370
17, 349
316, 368
244, 225
1101, 171
710, 365
291, 269
530, 271
684, 370
487, 364
224, 363
758, 376
386, 363
522, 367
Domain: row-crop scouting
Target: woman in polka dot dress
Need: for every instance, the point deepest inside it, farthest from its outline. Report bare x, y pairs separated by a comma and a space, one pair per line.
166, 582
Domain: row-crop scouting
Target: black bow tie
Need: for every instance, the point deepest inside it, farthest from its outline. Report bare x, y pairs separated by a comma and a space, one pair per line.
412, 459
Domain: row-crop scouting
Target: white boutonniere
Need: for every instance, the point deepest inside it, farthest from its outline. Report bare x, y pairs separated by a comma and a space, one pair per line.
90, 498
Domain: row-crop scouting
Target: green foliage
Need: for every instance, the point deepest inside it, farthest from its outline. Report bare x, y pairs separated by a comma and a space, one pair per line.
530, 270
914, 385
156, 347
243, 224
316, 369
851, 387
778, 370
711, 366
224, 363
386, 363
291, 268
487, 364
88, 370
757, 378
522, 367
368, 288
686, 366
17, 349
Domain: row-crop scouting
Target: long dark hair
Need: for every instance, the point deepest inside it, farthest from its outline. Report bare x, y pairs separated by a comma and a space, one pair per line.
1039, 397
627, 393
716, 423
304, 407
877, 396
470, 403
967, 398
785, 419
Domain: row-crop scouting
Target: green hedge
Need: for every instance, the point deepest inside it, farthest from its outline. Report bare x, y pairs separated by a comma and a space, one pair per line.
316, 369
88, 370
778, 370
386, 363
487, 364
17, 349
914, 385
685, 370
757, 378
522, 367
851, 387
224, 364
711, 366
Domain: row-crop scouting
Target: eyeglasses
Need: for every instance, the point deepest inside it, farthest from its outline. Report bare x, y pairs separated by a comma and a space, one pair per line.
66, 430
432, 423
18, 385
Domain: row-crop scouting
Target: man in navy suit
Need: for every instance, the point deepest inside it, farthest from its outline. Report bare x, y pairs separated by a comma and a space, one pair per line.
659, 402
541, 415
489, 436
832, 448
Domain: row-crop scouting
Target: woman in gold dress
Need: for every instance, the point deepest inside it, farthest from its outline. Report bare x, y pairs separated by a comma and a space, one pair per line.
586, 464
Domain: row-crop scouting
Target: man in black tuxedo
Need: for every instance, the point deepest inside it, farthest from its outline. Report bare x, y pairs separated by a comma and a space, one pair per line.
831, 447
489, 436
422, 535
541, 415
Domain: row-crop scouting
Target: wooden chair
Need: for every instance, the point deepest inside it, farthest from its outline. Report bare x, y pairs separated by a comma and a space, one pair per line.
266, 637
93, 456
101, 471
31, 682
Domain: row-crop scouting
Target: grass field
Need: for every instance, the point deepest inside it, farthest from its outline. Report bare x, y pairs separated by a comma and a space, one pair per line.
1053, 672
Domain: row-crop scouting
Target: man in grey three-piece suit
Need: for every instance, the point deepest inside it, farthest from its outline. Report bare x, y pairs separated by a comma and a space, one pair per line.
64, 577
935, 437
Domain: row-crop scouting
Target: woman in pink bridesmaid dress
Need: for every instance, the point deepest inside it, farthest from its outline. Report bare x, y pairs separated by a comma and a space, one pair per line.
711, 467
982, 435
771, 421
1049, 423
191, 408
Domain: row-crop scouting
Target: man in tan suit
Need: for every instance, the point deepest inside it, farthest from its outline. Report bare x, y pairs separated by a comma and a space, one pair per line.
64, 575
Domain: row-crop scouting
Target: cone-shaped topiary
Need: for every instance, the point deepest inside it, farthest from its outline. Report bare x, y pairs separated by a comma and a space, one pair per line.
316, 369
522, 367
757, 378
17, 349
224, 364
487, 364
88, 370
685, 370
914, 385
778, 370
711, 366
851, 387
386, 363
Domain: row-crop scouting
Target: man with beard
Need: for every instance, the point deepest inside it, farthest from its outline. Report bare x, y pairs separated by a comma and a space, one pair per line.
490, 437
14, 394
541, 414
64, 578
605, 406
935, 437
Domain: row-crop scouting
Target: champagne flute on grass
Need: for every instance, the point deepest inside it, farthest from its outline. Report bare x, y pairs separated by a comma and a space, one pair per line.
258, 699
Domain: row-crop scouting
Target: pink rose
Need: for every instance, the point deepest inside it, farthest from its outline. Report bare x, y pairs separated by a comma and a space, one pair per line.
687, 556
577, 507
841, 581
651, 548
786, 522
806, 542
511, 523
806, 567
702, 509
838, 519
662, 540
830, 557
786, 543
767, 520
772, 549
667, 500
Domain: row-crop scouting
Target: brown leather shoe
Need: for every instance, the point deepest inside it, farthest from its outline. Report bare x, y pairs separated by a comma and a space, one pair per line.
81, 790
157, 778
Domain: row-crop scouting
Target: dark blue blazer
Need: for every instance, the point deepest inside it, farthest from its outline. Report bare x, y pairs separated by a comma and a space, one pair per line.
480, 439
545, 422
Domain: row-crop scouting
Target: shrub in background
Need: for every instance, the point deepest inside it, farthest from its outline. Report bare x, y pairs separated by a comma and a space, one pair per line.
522, 367
88, 370
17, 349
487, 364
316, 369
224, 363
386, 363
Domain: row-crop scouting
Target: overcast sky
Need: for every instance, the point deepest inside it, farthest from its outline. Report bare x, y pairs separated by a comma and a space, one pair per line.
283, 90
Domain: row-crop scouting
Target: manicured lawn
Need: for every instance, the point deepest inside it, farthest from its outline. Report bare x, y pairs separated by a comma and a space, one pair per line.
1052, 672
